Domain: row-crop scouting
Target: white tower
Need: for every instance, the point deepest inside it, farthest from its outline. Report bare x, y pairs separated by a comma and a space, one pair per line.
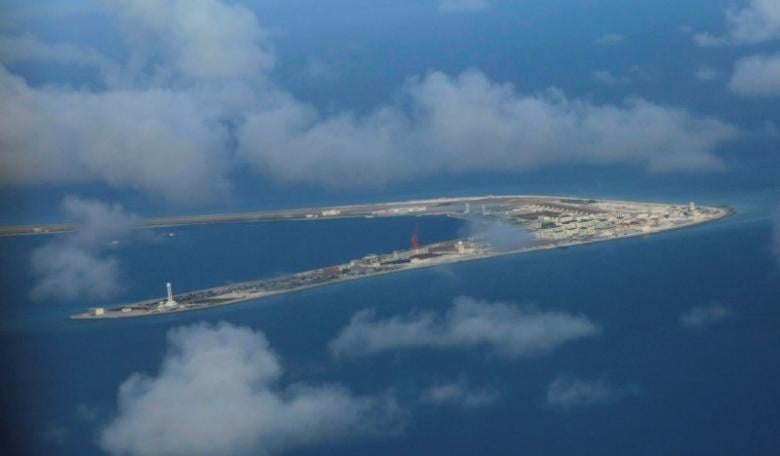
484, 210
461, 248
170, 301
691, 207
468, 208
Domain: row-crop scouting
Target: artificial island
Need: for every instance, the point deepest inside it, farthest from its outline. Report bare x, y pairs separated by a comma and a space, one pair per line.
540, 222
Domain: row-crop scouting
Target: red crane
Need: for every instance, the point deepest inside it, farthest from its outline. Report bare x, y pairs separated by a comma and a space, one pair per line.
415, 238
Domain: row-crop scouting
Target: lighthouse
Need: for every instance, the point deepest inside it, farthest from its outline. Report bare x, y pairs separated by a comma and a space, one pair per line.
170, 302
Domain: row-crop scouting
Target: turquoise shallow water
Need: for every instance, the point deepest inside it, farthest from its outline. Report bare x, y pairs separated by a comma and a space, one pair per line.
710, 391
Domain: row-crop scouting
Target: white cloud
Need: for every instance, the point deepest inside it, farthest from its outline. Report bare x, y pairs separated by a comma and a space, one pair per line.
76, 265
460, 394
218, 392
756, 75
161, 142
699, 317
463, 6
610, 39
162, 127
193, 104
468, 123
505, 329
757, 22
202, 40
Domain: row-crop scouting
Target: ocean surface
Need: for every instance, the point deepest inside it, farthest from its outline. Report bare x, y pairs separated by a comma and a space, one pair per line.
705, 391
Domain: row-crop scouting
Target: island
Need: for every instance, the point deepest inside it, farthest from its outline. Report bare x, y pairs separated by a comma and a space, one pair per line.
532, 222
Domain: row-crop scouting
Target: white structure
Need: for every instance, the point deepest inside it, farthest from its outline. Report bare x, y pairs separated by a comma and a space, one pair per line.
691, 207
468, 208
461, 248
484, 210
170, 302
97, 311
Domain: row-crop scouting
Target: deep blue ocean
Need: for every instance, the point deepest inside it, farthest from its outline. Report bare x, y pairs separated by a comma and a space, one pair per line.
707, 391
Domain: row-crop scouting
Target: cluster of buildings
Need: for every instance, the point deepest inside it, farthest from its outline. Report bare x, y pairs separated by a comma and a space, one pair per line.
582, 223
551, 221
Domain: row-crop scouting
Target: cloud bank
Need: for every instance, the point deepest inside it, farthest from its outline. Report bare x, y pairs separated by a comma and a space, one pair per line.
757, 22
159, 142
757, 75
699, 317
194, 103
468, 123
507, 330
218, 392
76, 265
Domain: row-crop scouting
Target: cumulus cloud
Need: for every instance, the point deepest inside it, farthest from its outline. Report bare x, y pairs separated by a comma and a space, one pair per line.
201, 40
459, 393
756, 75
756, 22
508, 330
567, 392
219, 391
160, 142
193, 103
463, 6
162, 129
468, 123
76, 265
610, 39
699, 317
